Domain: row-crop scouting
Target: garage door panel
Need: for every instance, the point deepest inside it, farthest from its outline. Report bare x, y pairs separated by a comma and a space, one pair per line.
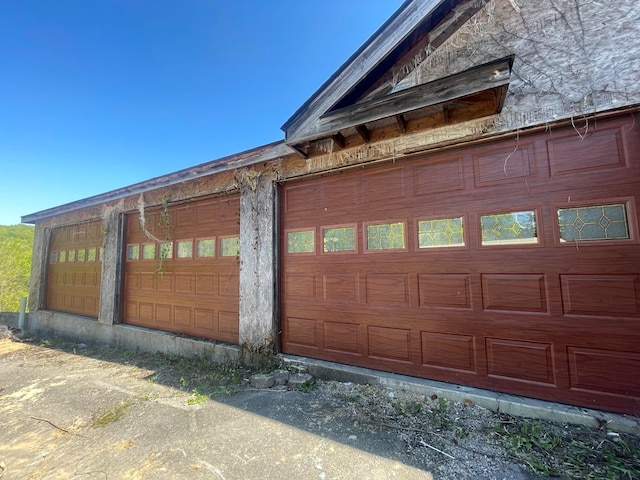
302, 332
521, 361
386, 289
342, 337
602, 150
383, 186
300, 285
206, 319
604, 371
228, 326
445, 290
183, 316
448, 351
193, 290
504, 164
337, 194
206, 283
525, 292
164, 282
389, 343
555, 319
436, 177
608, 295
341, 288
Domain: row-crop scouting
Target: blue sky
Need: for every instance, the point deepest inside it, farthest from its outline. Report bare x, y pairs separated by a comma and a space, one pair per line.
97, 95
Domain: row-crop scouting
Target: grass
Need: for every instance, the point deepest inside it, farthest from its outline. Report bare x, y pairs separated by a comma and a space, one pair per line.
105, 416
583, 453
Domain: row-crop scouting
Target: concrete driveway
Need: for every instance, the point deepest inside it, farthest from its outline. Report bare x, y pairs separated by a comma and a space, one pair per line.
73, 416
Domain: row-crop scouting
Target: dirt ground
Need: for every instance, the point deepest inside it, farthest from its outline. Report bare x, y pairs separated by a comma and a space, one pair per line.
72, 411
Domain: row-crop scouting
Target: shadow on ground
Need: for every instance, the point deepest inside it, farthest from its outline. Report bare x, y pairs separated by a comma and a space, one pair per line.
70, 410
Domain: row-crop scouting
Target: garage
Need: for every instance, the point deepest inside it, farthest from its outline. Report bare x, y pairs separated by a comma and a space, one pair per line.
74, 268
512, 265
181, 268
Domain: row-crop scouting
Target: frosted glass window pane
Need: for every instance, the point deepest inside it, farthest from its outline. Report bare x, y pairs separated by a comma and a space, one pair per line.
446, 232
597, 222
509, 228
300, 242
133, 252
385, 236
206, 248
341, 239
184, 249
230, 246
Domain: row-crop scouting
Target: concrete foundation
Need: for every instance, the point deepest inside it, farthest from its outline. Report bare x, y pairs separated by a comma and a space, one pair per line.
83, 329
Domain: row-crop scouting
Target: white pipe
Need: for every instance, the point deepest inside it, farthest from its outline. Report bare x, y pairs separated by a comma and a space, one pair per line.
23, 309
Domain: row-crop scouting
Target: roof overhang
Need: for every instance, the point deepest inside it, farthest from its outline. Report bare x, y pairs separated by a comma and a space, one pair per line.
264, 153
491, 78
414, 21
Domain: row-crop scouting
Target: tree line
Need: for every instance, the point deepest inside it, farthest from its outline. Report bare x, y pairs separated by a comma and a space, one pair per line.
16, 244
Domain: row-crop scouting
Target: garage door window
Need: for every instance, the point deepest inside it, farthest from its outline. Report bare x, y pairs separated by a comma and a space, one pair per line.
339, 239
386, 236
230, 246
509, 228
301, 241
592, 223
166, 250
133, 252
184, 249
206, 247
148, 251
445, 232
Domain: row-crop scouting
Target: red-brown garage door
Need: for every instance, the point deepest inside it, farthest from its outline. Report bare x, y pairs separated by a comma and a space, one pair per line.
74, 269
181, 269
513, 266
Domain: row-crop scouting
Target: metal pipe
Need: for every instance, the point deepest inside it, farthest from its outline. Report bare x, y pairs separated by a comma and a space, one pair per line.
23, 309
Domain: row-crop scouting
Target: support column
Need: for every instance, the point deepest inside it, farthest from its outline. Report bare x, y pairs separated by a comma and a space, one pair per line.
112, 267
257, 262
39, 262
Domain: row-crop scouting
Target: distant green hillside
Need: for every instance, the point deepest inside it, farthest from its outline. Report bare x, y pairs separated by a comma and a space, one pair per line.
16, 243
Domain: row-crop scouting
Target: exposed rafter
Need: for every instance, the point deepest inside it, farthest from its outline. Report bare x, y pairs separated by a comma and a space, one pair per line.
339, 140
364, 132
491, 76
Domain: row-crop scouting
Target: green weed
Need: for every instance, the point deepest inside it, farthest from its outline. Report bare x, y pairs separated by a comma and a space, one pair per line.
197, 398
105, 416
408, 409
578, 453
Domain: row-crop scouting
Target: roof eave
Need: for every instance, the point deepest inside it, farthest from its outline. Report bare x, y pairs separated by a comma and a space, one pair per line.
247, 158
388, 37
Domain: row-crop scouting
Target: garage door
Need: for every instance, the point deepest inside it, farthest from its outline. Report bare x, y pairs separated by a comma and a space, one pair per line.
513, 266
74, 269
181, 269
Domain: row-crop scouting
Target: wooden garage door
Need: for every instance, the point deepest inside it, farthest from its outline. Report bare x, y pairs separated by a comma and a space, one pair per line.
75, 266
181, 275
513, 266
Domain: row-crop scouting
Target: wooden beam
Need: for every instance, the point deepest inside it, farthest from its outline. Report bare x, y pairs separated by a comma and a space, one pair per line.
402, 123
299, 151
339, 140
364, 132
445, 112
489, 76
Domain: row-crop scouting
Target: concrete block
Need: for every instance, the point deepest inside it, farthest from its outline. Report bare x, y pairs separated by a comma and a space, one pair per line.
262, 380
298, 379
281, 377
